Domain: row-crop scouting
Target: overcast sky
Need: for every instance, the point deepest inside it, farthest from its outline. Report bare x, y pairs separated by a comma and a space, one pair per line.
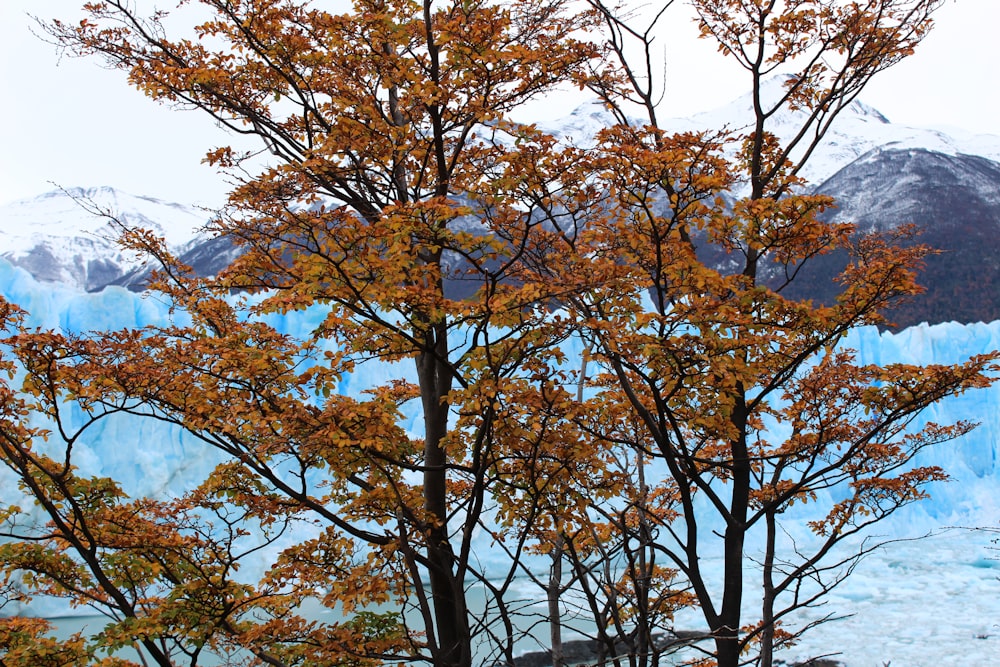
72, 123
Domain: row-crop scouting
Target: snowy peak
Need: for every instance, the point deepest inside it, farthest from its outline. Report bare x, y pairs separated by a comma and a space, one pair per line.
945, 182
739, 113
581, 125
866, 113
953, 201
65, 236
910, 181
858, 129
76, 211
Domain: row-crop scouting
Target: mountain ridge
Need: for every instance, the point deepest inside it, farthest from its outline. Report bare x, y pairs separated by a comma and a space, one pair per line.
880, 173
68, 235
953, 201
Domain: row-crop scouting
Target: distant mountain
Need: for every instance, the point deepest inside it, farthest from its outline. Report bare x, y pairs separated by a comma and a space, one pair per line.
881, 174
954, 201
207, 256
858, 130
61, 236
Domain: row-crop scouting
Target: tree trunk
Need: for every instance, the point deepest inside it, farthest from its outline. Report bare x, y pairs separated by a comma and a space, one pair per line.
643, 569
454, 643
767, 612
727, 632
554, 591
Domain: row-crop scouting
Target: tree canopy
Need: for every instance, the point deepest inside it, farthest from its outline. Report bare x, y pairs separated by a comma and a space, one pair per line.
431, 231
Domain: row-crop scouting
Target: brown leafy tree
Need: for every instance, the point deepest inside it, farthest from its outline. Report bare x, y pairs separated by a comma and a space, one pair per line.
436, 235
378, 122
744, 396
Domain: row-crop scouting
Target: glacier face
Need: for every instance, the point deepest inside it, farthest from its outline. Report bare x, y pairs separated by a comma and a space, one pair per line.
115, 450
150, 458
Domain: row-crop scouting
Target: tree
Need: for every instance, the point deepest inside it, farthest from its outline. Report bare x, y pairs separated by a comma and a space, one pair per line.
743, 395
431, 230
379, 122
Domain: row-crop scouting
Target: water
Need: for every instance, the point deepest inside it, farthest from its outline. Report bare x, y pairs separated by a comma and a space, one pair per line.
933, 602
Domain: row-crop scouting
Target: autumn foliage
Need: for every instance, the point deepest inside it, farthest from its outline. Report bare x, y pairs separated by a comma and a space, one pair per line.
436, 239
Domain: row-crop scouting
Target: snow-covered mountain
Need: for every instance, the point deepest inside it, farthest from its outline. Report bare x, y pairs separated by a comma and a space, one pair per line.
953, 200
65, 236
881, 174
946, 183
858, 130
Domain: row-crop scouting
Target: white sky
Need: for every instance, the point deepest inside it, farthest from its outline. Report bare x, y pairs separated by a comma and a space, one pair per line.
72, 123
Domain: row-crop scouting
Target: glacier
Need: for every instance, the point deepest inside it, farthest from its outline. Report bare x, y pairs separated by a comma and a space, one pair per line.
942, 592
972, 461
